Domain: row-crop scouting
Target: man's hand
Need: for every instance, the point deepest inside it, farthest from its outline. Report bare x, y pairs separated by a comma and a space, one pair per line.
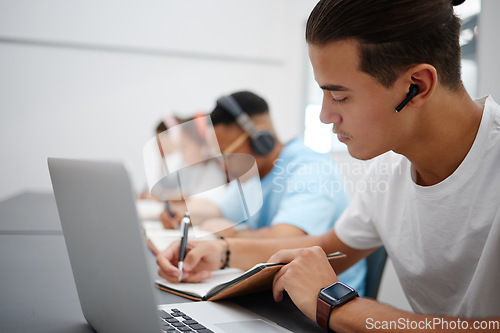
173, 222
305, 273
201, 259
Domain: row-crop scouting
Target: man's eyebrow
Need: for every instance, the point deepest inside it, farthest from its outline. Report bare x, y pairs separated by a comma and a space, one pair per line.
334, 88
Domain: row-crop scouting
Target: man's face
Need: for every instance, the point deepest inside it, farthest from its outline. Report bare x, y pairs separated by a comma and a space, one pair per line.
234, 144
232, 139
361, 109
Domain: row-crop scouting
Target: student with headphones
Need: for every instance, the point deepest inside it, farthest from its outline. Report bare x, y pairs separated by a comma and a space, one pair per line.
435, 203
301, 189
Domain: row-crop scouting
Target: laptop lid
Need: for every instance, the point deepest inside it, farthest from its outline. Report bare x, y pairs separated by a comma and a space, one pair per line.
96, 205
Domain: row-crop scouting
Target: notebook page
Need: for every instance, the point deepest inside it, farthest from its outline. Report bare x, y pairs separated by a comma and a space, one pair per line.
218, 277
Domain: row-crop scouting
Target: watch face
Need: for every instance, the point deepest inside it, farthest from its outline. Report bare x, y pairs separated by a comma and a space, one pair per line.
337, 292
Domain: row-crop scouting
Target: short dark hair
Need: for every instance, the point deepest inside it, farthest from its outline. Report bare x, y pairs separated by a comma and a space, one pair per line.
248, 101
393, 35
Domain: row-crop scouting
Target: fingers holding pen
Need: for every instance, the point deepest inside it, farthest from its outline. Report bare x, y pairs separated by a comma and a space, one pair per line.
167, 262
202, 257
170, 221
172, 213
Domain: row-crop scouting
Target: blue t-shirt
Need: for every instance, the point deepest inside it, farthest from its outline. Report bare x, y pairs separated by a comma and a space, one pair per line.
304, 189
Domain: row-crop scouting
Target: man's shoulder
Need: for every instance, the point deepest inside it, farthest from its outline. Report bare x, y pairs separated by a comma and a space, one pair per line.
493, 108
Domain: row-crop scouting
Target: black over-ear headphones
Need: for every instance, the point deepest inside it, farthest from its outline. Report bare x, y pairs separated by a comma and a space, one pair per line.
412, 93
262, 142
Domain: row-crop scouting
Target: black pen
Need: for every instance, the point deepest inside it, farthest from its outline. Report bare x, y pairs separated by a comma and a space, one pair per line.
186, 220
168, 208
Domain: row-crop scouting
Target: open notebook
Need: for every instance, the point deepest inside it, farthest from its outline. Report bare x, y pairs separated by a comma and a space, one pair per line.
232, 282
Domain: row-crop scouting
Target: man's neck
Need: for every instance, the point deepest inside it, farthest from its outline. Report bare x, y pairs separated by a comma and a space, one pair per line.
443, 138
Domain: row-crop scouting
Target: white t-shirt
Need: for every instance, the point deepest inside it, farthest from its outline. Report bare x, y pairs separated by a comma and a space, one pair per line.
444, 240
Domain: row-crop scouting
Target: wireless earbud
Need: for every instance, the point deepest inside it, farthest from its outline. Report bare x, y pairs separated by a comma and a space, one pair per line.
412, 93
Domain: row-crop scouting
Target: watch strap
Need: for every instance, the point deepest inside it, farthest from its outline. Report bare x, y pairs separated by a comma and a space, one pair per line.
323, 312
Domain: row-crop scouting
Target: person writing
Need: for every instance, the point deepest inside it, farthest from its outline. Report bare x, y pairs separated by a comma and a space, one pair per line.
438, 215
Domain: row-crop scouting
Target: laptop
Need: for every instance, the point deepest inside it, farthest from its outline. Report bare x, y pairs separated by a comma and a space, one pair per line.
97, 209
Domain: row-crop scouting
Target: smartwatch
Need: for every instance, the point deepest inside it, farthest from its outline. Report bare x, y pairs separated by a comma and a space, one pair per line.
331, 297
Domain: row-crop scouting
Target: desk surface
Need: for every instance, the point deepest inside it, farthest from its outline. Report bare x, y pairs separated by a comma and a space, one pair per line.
30, 213
37, 290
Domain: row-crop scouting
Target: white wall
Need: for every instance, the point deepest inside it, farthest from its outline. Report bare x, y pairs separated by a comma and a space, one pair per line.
489, 49
90, 79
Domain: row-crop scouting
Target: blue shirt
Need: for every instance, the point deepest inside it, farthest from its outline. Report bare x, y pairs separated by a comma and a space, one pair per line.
304, 189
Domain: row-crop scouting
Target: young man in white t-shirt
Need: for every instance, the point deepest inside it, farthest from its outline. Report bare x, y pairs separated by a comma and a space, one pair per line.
390, 72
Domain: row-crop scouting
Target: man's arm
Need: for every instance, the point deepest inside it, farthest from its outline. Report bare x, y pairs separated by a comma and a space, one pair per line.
246, 252
308, 271
275, 231
224, 227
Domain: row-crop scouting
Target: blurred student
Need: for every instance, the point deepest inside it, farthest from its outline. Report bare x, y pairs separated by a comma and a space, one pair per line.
168, 147
390, 74
183, 147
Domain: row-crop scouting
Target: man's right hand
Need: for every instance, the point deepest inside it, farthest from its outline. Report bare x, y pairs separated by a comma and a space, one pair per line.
173, 222
201, 259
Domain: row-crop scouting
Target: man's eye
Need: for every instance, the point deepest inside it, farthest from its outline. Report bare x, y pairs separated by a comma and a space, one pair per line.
339, 100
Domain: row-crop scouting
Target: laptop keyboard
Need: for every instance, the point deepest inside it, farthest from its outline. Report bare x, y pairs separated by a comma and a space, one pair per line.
176, 321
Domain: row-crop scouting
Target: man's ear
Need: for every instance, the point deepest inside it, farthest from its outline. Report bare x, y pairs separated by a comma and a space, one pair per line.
424, 76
